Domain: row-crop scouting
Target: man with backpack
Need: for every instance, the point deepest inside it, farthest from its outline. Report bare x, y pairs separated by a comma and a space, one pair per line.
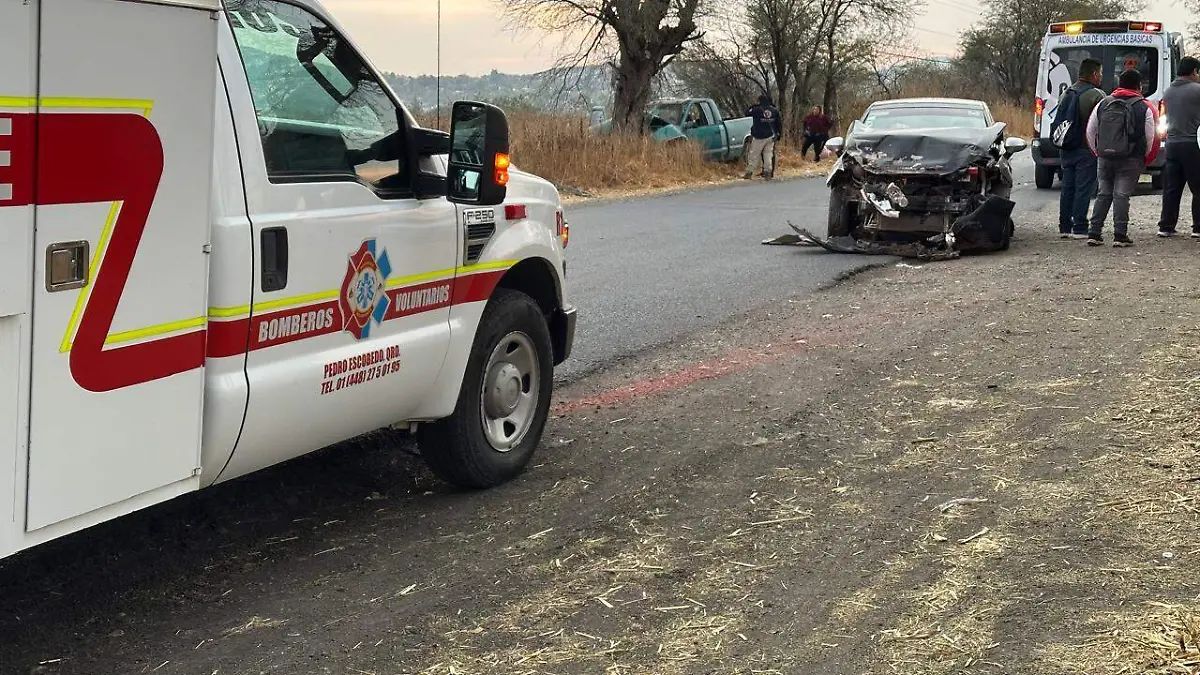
1182, 100
1077, 161
1121, 132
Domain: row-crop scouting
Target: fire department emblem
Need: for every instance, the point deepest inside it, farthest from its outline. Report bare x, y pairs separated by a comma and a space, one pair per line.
363, 298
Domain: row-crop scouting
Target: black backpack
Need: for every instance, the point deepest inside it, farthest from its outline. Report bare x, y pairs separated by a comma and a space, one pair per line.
1120, 131
1066, 131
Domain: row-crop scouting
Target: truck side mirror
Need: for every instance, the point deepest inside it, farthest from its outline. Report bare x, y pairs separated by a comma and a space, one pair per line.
478, 170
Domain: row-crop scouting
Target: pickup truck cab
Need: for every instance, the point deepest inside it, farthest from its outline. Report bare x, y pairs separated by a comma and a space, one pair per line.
722, 140
225, 243
697, 119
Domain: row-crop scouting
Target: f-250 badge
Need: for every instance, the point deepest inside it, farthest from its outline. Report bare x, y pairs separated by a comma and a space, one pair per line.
363, 299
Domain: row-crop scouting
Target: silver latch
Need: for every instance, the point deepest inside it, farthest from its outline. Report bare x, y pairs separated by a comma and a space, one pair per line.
66, 266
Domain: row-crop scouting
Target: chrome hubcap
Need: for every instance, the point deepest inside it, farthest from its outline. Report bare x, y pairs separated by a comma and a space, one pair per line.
508, 403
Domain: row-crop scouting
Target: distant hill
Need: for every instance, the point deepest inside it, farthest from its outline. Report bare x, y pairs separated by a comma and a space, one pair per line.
554, 90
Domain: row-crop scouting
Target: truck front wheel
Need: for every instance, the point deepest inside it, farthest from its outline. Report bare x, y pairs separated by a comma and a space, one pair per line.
504, 401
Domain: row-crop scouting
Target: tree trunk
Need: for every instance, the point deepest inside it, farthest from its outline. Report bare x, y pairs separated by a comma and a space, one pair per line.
634, 83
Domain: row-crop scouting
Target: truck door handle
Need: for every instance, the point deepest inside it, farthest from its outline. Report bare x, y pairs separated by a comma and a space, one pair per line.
274, 247
66, 266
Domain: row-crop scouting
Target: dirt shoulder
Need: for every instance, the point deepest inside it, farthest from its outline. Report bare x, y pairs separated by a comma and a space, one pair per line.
985, 465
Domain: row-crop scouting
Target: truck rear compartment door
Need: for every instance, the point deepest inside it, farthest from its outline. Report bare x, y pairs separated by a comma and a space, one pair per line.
124, 139
18, 84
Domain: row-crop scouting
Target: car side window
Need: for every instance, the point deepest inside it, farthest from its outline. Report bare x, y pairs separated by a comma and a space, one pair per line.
322, 115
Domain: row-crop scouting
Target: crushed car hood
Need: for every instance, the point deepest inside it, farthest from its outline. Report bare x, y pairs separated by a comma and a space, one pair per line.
935, 152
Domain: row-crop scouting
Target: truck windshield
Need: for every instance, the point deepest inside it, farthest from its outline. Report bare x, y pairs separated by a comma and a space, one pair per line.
1065, 62
933, 117
669, 113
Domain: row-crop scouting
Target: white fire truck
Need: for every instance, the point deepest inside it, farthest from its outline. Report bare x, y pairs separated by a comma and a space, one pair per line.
225, 243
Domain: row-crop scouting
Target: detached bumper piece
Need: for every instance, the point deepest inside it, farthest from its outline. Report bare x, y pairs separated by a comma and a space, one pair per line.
984, 228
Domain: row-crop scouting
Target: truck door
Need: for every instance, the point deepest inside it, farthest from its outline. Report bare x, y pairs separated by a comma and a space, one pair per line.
707, 133
350, 320
124, 146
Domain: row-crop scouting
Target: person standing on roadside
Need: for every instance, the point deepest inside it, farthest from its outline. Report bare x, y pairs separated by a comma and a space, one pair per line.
1121, 133
1076, 159
817, 126
766, 129
1182, 101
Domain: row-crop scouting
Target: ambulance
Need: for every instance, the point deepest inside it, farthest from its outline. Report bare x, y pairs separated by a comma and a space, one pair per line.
225, 243
1119, 45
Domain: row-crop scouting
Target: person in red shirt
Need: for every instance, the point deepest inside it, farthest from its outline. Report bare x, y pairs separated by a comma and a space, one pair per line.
817, 126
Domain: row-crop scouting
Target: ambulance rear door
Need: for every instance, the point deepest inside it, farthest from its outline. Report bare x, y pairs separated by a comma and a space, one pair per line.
124, 135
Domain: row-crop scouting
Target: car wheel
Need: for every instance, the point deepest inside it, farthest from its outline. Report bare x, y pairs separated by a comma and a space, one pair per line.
841, 214
1043, 177
504, 401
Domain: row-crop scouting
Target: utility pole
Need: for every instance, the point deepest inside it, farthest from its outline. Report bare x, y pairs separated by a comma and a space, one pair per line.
439, 64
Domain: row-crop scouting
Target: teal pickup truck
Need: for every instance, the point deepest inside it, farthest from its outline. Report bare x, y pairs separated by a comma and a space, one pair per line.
698, 119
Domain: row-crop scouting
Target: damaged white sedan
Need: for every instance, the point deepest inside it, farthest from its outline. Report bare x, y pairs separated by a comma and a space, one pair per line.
922, 178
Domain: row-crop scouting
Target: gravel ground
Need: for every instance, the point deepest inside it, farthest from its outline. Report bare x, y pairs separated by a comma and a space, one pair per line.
985, 465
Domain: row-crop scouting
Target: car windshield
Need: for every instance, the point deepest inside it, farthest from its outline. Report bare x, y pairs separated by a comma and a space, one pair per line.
887, 118
1065, 62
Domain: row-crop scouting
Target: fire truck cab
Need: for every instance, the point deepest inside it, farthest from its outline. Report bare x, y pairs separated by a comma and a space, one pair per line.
225, 243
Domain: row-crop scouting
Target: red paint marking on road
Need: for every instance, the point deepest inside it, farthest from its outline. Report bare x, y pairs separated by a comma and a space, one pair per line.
733, 362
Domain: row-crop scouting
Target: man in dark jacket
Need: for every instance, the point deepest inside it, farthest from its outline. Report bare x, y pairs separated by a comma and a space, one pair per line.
1079, 164
1182, 101
817, 126
766, 129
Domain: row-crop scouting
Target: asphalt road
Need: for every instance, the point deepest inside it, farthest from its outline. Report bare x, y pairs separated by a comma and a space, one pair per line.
645, 272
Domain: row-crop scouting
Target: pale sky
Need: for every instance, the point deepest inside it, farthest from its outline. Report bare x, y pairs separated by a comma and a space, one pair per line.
401, 35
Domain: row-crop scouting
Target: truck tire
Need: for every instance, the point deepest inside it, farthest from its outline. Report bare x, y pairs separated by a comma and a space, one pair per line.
504, 401
746, 151
1043, 177
841, 214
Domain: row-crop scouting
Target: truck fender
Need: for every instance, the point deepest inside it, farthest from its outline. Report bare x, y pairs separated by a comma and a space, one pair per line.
669, 133
536, 277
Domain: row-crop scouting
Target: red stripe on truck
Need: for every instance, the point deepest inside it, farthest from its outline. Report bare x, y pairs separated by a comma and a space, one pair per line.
107, 157
230, 338
16, 175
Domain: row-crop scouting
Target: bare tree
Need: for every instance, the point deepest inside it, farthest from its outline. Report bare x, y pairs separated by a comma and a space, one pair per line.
639, 38
810, 44
1002, 49
725, 71
781, 30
